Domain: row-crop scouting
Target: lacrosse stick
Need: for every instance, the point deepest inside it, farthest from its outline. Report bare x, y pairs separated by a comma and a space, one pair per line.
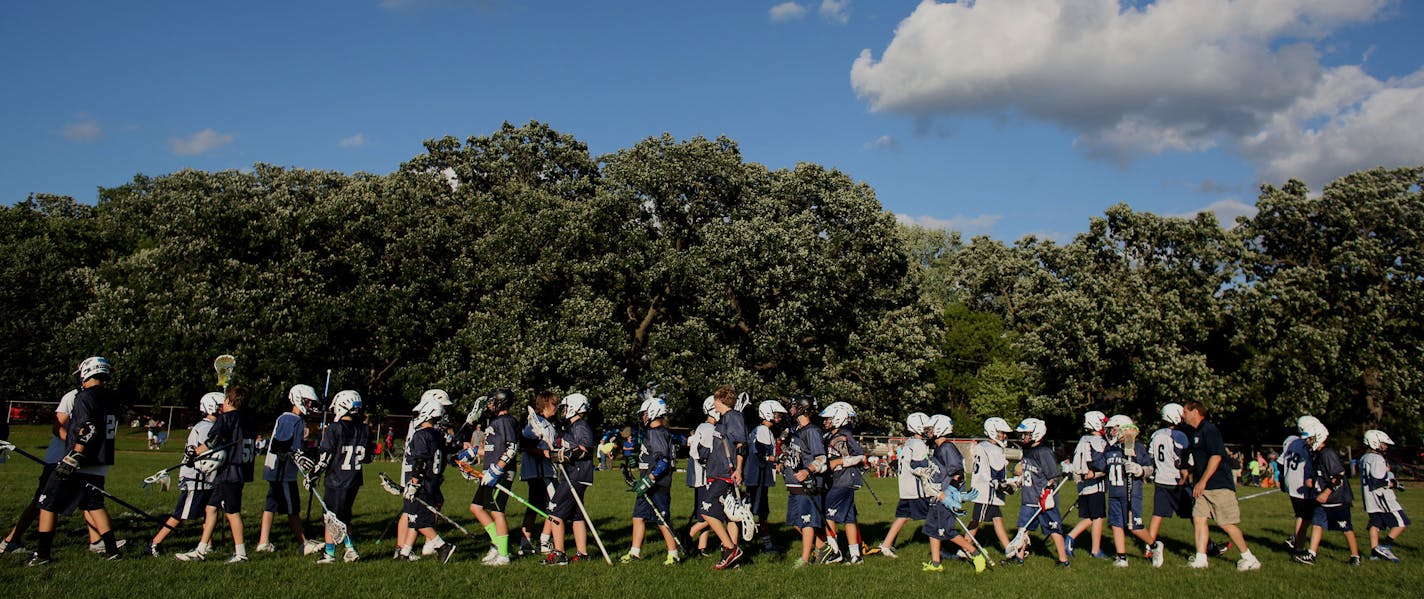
325, 392
974, 540
659, 515
224, 366
1261, 494
335, 528
157, 477
7, 446
743, 513
572, 491
1020, 540
470, 473
390, 487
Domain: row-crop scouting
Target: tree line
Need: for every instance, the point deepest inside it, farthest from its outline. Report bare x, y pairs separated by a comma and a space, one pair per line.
519, 259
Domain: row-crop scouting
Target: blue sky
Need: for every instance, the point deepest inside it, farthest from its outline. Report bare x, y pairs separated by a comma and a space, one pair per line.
999, 117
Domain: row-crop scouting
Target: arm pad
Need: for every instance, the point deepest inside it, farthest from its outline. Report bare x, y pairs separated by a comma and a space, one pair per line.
818, 465
85, 433
659, 468
742, 449
510, 450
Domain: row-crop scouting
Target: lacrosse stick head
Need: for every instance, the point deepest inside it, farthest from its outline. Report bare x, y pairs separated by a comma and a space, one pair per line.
224, 365
335, 528
389, 485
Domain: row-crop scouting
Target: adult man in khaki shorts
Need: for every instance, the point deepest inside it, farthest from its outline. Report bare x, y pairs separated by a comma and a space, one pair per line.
1214, 491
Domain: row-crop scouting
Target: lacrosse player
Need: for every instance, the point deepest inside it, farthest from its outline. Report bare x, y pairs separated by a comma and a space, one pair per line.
1040, 494
1298, 481
760, 472
89, 453
846, 458
426, 455
499, 455
194, 486
1170, 495
914, 497
724, 473
1126, 464
1214, 492
280, 472
574, 451
1377, 485
430, 397
345, 446
1092, 505
1332, 510
946, 475
699, 450
654, 485
990, 480
803, 463
538, 473
235, 431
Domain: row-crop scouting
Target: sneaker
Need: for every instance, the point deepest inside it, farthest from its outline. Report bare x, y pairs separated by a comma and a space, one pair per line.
1214, 550
1068, 545
1384, 552
1103, 555
36, 560
525, 547
113, 557
1120, 562
854, 560
672, 559
629, 558
1247, 564
1159, 554
405, 557
1064, 564
1197, 562
312, 546
499, 560
99, 547
555, 558
579, 557
546, 547
980, 562
887, 551
327, 558
1305, 557
155, 551
1290, 543
428, 549
489, 557
729, 558
445, 551
17, 548
800, 563
1014, 561
832, 556
191, 556
932, 567
266, 548
350, 555
237, 558
1355, 560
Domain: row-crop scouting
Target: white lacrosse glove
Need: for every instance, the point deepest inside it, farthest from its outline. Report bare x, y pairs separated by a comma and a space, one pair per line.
1134, 469
411, 487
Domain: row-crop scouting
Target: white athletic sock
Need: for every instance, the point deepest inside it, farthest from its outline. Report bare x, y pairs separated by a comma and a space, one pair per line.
1247, 555
204, 547
239, 549
437, 542
635, 551
672, 553
545, 540
855, 550
1201, 556
405, 550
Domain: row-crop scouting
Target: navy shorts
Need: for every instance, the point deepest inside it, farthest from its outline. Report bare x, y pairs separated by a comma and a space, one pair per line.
192, 504
563, 506
1304, 508
44, 480
758, 497
227, 497
1049, 522
983, 512
661, 497
1123, 515
803, 511
340, 500
711, 502
1388, 520
65, 495
1093, 507
1172, 500
491, 499
939, 523
914, 509
283, 498
417, 516
840, 505
1333, 518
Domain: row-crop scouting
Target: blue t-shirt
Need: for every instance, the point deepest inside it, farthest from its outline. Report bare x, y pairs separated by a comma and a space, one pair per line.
1206, 442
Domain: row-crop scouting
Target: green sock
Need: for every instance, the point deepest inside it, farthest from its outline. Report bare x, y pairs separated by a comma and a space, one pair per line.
489, 530
501, 543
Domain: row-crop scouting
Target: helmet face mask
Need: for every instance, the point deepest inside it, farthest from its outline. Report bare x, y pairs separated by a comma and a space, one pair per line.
573, 405
1032, 431
941, 426
709, 407
770, 411
652, 409
997, 430
303, 398
804, 405
838, 414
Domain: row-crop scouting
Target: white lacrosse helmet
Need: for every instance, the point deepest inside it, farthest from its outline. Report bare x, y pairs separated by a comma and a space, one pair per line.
1375, 438
1033, 429
574, 405
917, 422
839, 413
429, 412
1311, 428
433, 396
768, 409
995, 428
1172, 413
709, 407
744, 399
1094, 421
302, 396
210, 403
1118, 420
94, 367
210, 461
942, 425
346, 402
653, 408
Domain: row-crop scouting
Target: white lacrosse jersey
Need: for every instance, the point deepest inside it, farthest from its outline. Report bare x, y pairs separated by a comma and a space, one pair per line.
1297, 467
190, 479
55, 452
699, 448
914, 450
990, 464
1089, 447
1374, 485
1169, 449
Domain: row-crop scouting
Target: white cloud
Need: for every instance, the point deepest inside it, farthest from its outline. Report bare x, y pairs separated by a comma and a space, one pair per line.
961, 223
884, 142
1169, 76
1226, 210
836, 10
85, 129
354, 141
786, 11
199, 142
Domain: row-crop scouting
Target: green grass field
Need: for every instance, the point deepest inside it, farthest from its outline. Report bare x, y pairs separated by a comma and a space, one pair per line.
1267, 521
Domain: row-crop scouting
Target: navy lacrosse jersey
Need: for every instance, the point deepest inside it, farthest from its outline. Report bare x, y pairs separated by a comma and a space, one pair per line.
950, 464
346, 445
804, 446
1113, 462
1040, 469
1331, 473
236, 432
579, 434
730, 432
657, 448
758, 470
842, 444
93, 419
426, 453
501, 445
